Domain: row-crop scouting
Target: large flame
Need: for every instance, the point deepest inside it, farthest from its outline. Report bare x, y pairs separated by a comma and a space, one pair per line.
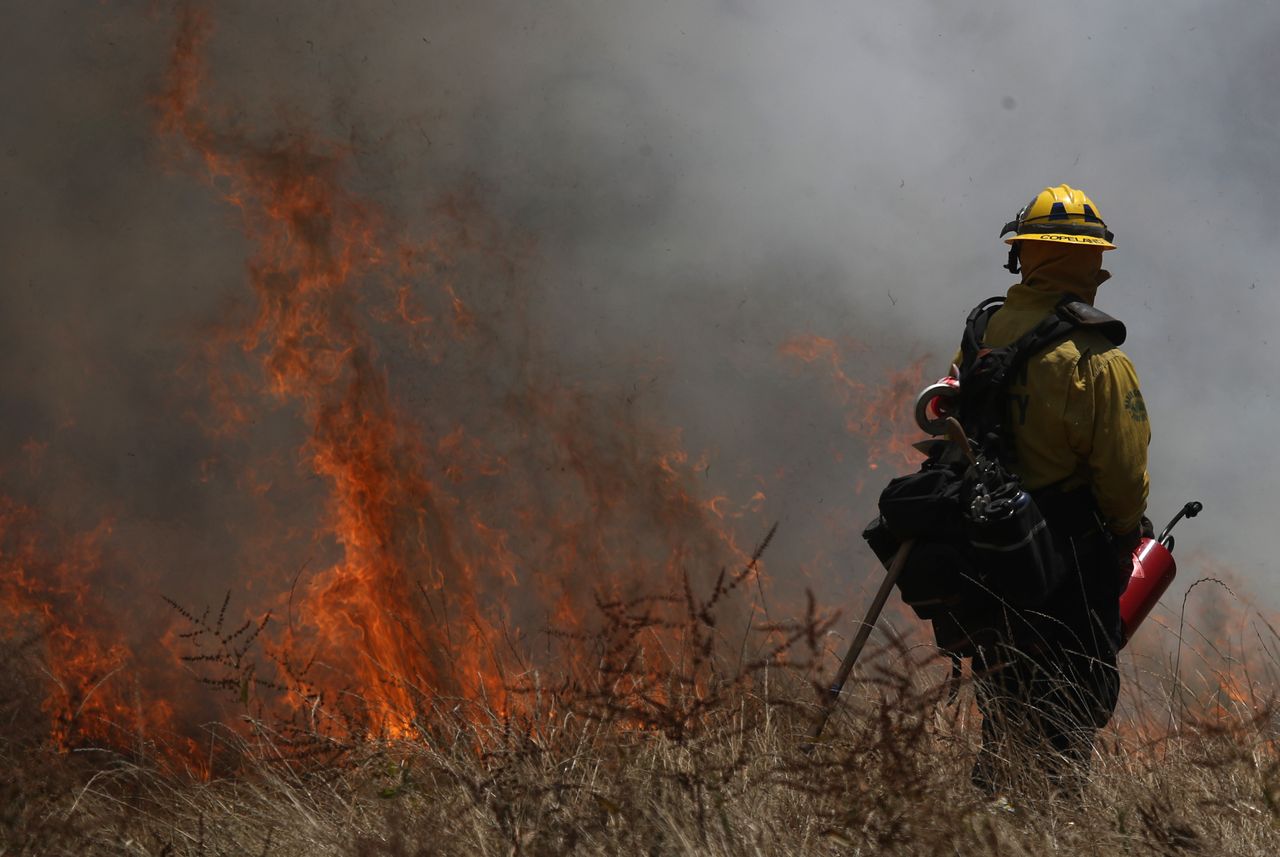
416, 604
450, 533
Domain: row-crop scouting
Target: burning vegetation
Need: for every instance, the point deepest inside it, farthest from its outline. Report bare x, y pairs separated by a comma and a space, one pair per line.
454, 547
490, 610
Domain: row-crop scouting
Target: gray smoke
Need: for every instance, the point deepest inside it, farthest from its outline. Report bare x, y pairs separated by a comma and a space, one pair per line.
701, 182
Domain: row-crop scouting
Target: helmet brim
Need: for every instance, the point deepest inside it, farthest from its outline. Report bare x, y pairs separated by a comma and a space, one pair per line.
1062, 238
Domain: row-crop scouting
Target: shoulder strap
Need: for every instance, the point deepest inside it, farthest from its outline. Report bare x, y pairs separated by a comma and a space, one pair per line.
1051, 328
985, 371
975, 330
1067, 316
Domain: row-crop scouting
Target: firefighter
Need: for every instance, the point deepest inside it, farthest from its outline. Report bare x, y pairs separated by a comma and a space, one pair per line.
1080, 432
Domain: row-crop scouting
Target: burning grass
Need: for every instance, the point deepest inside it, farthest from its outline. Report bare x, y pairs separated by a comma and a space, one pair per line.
665, 740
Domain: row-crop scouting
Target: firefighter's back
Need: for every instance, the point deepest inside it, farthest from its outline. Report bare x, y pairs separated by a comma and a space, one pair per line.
1076, 414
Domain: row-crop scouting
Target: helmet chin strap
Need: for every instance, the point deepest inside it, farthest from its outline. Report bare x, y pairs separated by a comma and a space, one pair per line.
1012, 265
1012, 226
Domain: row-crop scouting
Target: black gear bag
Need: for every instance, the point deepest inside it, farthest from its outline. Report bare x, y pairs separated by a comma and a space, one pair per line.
982, 547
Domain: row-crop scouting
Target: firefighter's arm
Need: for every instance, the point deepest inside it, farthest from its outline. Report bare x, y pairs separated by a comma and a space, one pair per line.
1118, 451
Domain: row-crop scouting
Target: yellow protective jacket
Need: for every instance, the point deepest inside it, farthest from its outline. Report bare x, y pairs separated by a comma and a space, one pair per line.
1077, 417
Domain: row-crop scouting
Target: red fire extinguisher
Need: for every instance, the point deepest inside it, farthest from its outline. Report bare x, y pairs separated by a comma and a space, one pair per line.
1153, 571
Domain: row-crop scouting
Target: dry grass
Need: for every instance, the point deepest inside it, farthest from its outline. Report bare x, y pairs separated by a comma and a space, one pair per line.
699, 755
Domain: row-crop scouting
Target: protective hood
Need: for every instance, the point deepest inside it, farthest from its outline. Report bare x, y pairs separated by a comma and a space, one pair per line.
1058, 270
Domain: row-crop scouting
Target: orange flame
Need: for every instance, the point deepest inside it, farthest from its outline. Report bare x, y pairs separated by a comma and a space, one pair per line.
882, 416
54, 596
416, 604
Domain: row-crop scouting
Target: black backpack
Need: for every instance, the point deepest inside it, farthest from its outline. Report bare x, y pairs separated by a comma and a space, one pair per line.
982, 549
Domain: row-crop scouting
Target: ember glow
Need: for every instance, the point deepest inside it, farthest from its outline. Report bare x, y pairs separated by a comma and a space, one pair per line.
40, 587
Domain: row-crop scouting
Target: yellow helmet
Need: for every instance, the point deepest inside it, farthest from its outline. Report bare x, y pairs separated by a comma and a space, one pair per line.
1061, 214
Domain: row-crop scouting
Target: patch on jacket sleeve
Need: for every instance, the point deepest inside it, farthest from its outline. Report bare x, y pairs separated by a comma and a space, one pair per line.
1136, 406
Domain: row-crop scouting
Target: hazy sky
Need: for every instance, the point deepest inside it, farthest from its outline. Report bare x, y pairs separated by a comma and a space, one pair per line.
702, 180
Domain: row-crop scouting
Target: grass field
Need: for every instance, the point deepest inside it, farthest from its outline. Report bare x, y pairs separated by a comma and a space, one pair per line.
629, 753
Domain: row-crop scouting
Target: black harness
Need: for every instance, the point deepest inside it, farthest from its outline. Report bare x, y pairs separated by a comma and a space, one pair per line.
983, 544
986, 372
